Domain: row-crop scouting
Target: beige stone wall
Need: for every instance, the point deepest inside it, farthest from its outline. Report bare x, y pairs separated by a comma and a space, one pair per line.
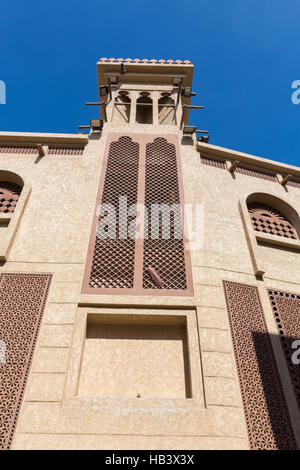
53, 236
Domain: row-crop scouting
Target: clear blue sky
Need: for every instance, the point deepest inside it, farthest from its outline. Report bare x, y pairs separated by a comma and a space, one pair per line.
246, 55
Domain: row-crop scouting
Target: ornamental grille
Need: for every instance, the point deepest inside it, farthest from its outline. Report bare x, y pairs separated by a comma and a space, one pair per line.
294, 182
14, 149
9, 196
151, 257
244, 170
113, 259
266, 219
266, 412
256, 173
65, 151
212, 162
33, 150
286, 310
165, 256
22, 302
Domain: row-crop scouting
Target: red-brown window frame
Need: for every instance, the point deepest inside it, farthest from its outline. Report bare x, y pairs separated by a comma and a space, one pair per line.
137, 289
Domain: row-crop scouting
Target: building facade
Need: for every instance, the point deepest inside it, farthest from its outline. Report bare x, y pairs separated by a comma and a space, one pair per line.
150, 281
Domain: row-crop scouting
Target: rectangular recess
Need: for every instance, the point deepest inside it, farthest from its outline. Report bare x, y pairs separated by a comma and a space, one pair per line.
135, 356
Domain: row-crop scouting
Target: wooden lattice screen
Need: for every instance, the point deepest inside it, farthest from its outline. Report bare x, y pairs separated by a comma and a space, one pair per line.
146, 170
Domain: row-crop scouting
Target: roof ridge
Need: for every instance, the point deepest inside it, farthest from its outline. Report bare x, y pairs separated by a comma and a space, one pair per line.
146, 61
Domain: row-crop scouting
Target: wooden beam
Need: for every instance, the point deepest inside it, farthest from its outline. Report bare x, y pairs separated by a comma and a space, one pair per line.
285, 180
192, 107
41, 150
233, 166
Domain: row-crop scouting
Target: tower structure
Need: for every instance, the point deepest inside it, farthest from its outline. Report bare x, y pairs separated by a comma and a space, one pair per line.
149, 282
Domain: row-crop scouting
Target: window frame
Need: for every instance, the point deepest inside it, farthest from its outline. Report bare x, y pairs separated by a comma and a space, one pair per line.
137, 289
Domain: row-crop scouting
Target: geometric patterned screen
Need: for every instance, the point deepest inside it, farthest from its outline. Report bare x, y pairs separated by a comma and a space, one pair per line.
9, 196
266, 412
113, 258
164, 254
217, 162
256, 173
266, 219
143, 259
286, 310
33, 150
22, 302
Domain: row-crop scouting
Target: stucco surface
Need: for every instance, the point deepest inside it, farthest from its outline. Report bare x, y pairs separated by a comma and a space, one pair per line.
53, 236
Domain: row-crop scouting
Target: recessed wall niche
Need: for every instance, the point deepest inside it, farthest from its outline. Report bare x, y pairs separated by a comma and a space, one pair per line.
122, 107
135, 356
144, 112
166, 109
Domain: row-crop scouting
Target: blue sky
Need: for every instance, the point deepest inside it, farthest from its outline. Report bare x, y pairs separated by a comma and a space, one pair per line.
246, 55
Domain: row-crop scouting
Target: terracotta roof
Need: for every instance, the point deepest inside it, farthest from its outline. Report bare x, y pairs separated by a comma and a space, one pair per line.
146, 61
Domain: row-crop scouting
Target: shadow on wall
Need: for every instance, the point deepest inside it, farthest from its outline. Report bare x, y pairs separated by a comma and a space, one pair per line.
273, 404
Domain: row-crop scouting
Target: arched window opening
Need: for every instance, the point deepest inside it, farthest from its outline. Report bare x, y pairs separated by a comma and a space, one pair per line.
144, 108
122, 107
269, 220
9, 196
166, 109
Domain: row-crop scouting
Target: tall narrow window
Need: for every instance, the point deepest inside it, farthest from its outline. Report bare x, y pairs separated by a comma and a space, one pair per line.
122, 107
113, 255
166, 109
144, 112
163, 246
135, 251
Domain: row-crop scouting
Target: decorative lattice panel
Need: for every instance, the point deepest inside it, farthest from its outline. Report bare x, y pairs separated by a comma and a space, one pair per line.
27, 150
256, 173
145, 169
207, 160
65, 151
244, 170
286, 309
269, 220
113, 259
266, 412
9, 196
15, 149
164, 254
294, 182
22, 301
